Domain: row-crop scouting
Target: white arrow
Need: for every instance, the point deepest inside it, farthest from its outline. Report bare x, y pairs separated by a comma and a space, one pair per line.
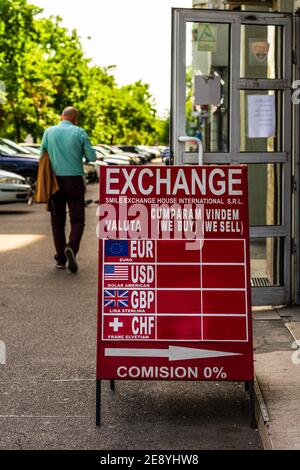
173, 353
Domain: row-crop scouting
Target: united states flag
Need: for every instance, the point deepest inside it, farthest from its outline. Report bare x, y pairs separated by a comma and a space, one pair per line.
116, 298
115, 272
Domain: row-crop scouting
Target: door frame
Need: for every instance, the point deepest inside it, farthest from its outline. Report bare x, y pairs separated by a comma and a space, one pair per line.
277, 295
296, 172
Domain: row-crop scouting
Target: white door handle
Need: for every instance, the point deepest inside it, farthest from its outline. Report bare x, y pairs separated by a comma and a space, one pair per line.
185, 138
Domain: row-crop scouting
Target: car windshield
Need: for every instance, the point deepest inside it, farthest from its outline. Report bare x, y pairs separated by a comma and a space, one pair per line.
100, 153
17, 148
34, 150
105, 150
6, 149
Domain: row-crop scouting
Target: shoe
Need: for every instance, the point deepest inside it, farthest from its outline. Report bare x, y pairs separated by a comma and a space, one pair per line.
60, 266
71, 259
88, 202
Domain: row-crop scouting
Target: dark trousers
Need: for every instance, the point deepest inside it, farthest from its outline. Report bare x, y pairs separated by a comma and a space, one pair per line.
71, 193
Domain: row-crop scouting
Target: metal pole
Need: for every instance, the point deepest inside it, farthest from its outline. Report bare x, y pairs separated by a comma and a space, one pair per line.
112, 385
253, 422
98, 402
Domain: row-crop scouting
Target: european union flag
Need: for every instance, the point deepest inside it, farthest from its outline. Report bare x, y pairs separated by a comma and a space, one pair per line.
116, 248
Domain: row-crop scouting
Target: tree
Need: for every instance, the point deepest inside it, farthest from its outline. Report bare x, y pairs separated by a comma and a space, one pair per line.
42, 67
44, 70
17, 30
163, 130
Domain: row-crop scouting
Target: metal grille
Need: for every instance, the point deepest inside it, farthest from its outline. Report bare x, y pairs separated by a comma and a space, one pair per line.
260, 282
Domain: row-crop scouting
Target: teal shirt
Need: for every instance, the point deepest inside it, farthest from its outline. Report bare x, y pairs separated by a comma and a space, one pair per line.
67, 145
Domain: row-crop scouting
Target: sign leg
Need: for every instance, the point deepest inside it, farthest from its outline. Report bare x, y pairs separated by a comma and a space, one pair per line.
98, 402
112, 385
253, 422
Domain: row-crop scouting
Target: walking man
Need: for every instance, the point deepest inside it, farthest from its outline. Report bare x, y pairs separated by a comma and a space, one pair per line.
67, 145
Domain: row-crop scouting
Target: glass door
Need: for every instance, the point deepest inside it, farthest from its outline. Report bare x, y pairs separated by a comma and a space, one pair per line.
245, 61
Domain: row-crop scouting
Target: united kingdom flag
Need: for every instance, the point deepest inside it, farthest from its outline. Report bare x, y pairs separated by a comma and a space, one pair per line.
116, 298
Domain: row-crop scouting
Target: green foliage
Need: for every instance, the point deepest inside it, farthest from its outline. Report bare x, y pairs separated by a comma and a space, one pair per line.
44, 70
163, 130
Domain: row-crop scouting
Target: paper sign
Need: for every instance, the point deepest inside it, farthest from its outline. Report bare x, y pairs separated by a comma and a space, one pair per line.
258, 54
261, 116
207, 90
207, 38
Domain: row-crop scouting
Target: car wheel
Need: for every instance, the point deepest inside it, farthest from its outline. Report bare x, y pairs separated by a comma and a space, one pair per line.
31, 180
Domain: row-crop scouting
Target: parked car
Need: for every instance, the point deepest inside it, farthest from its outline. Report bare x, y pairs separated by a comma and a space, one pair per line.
17, 147
23, 164
111, 151
154, 152
13, 188
166, 156
135, 149
106, 161
101, 161
33, 148
102, 155
97, 165
90, 173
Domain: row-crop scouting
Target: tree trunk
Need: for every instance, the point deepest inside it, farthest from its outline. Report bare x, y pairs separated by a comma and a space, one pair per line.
17, 130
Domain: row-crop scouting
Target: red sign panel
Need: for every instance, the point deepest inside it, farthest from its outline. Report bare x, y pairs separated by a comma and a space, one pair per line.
174, 282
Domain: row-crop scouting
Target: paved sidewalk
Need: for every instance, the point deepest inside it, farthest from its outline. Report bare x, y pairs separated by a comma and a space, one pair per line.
277, 367
47, 387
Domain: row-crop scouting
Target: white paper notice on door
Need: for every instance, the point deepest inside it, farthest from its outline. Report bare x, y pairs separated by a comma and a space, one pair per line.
207, 90
261, 116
